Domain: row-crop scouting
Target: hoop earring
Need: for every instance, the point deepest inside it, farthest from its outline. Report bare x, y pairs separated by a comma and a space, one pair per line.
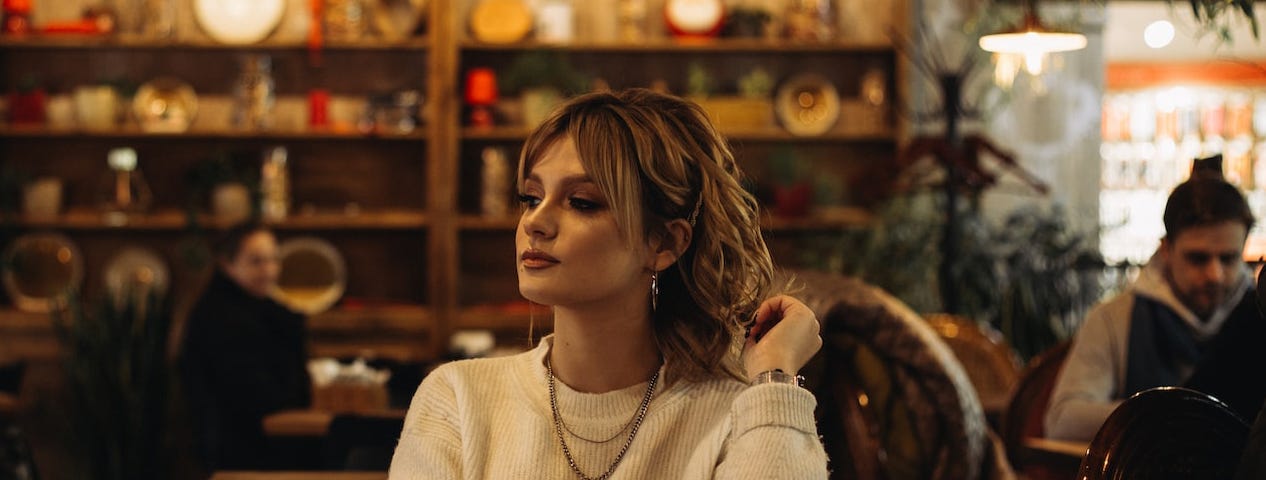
654, 290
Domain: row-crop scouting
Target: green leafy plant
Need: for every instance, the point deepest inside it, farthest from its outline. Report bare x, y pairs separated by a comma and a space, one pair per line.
119, 382
1030, 275
1216, 16
543, 68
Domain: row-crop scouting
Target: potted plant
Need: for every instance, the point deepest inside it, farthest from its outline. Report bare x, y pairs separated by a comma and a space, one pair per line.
541, 80
119, 379
751, 108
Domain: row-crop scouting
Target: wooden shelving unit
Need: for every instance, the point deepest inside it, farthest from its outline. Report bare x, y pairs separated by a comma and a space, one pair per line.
400, 206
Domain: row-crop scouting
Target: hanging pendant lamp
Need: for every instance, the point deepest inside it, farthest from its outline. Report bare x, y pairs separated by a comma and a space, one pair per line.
1033, 40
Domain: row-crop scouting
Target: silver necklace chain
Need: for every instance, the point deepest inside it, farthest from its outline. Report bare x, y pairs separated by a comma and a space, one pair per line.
559, 426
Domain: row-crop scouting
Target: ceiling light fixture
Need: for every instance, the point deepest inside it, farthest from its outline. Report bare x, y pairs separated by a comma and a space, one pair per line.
1033, 40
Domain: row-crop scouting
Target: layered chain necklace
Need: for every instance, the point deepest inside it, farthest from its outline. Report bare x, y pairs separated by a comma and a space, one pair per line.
559, 426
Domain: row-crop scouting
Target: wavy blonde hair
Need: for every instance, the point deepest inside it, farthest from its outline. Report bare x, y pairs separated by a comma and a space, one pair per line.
657, 158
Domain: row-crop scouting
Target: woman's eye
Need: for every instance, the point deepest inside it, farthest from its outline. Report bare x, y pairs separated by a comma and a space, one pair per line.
583, 205
529, 200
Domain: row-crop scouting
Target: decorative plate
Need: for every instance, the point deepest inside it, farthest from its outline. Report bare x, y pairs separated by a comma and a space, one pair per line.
501, 21
807, 105
313, 275
165, 104
239, 22
41, 267
136, 267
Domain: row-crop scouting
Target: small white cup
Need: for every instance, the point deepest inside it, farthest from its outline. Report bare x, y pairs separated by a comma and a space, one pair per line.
96, 106
231, 202
42, 198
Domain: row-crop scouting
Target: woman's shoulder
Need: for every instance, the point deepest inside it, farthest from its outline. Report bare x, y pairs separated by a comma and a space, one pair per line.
484, 371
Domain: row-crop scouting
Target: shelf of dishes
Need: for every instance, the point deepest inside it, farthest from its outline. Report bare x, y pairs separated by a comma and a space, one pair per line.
825, 219
348, 219
133, 132
668, 45
103, 42
878, 134
393, 331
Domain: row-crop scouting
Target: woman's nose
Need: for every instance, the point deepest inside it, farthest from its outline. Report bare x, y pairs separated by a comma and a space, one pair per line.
539, 221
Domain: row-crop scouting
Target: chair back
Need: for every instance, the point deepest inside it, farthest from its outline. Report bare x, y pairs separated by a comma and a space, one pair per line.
991, 364
1167, 432
893, 402
1024, 415
361, 442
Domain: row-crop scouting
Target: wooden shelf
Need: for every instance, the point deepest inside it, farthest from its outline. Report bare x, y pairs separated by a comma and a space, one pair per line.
389, 319
836, 218
91, 219
108, 42
133, 132
478, 222
497, 318
659, 46
770, 134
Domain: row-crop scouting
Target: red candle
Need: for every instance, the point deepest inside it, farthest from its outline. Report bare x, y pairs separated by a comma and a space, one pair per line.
318, 107
481, 87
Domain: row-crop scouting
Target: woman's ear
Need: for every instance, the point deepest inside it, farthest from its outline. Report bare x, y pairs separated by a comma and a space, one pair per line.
668, 246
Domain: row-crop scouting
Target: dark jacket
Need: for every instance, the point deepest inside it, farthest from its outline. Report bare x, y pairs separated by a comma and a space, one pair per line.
243, 357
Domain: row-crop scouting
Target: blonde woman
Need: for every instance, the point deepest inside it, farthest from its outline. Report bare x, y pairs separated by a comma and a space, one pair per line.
637, 233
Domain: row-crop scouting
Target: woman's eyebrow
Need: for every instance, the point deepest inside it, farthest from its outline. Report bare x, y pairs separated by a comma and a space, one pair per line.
567, 181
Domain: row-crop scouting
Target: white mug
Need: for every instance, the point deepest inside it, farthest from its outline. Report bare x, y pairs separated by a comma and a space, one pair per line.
42, 198
96, 106
231, 202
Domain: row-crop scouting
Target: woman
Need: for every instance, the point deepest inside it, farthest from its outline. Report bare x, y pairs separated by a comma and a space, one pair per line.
638, 234
244, 353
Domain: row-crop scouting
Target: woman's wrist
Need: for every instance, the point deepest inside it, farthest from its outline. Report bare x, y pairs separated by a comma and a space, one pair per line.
777, 376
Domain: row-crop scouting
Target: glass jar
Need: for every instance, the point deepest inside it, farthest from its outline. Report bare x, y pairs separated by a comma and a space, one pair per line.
254, 93
345, 20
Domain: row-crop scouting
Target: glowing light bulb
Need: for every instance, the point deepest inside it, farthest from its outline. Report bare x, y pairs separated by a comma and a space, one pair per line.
1033, 61
1158, 34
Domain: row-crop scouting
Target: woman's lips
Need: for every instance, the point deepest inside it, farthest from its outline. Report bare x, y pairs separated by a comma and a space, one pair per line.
536, 259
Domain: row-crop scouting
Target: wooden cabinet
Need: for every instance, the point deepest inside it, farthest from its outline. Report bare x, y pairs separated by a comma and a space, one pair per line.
402, 208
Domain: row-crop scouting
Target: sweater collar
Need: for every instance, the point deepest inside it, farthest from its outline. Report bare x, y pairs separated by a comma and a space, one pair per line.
616, 404
1153, 284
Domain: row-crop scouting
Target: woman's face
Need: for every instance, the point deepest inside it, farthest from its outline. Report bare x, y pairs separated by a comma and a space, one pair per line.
256, 266
569, 249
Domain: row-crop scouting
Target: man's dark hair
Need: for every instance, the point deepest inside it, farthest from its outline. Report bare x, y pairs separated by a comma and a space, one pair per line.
1205, 199
229, 243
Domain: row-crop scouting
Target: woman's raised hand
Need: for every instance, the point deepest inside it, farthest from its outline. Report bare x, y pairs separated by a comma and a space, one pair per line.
783, 337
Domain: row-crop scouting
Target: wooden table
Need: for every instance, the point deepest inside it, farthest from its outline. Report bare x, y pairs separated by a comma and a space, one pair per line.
1058, 447
299, 476
311, 423
1046, 459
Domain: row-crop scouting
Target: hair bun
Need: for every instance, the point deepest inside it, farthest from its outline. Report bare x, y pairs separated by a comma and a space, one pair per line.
1207, 168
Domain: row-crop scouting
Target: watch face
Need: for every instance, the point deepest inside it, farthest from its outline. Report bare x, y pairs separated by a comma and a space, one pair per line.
694, 17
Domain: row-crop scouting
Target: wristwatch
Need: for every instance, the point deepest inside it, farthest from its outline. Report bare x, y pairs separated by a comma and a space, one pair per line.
778, 376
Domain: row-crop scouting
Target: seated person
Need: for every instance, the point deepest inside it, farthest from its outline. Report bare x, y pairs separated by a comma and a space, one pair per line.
244, 354
1157, 331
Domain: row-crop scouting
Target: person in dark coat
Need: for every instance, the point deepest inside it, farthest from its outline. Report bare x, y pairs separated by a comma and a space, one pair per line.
244, 354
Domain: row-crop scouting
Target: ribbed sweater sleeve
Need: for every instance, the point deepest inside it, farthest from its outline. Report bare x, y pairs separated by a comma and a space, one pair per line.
430, 443
774, 436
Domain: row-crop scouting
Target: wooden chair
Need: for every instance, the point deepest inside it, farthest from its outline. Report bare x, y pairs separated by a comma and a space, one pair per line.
893, 401
1023, 417
992, 366
1167, 432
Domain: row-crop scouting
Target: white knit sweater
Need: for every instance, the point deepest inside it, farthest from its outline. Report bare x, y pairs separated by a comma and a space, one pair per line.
491, 419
